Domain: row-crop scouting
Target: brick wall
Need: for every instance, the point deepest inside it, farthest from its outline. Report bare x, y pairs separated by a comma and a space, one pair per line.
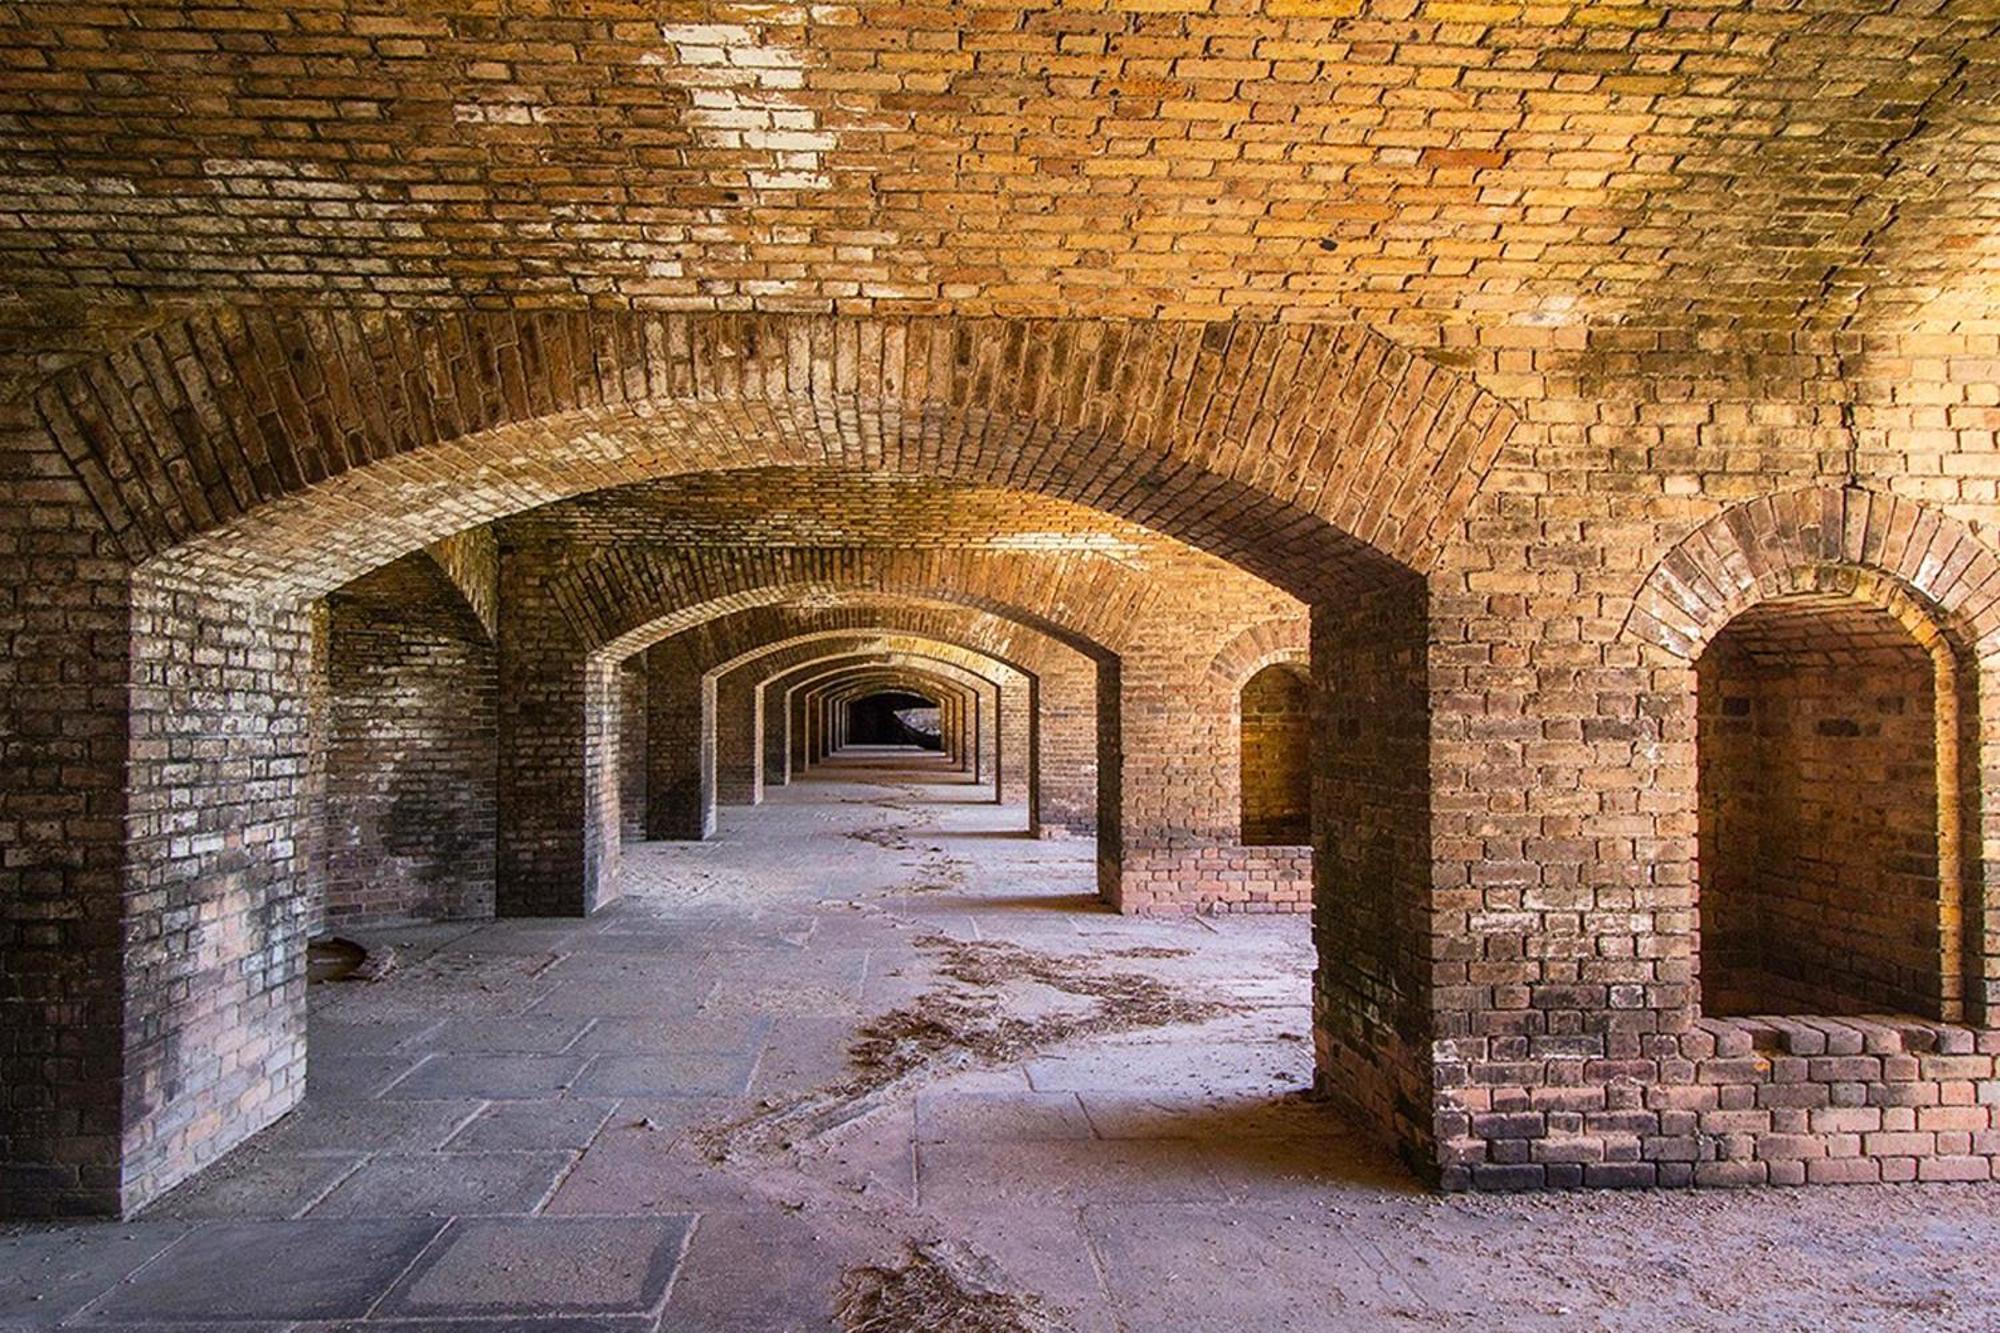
411, 750
632, 750
1274, 742
217, 869
65, 623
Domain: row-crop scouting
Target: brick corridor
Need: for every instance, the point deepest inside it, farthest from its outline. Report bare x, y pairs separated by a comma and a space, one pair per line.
513, 1123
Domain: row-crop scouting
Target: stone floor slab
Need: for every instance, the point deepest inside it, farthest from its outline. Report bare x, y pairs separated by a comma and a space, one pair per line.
331, 1036
449, 1184
368, 1126
690, 1074
257, 1182
527, 1125
530, 1035
611, 1323
636, 1171
764, 1271
995, 1117
1159, 1170
701, 1031
544, 1266
498, 1077
273, 1270
351, 1078
48, 1275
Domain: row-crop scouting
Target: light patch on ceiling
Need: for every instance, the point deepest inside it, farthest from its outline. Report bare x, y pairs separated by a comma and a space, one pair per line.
744, 82
1552, 312
1095, 543
820, 599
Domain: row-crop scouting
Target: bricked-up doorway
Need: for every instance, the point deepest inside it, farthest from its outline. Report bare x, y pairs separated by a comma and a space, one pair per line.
1275, 756
1829, 825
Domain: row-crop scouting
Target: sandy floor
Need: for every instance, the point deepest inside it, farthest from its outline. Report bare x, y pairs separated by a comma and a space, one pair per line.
653, 1120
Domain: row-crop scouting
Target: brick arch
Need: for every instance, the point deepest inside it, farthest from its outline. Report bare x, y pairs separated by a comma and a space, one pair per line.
1924, 566
292, 450
917, 655
1016, 683
1837, 553
840, 668
854, 681
940, 688
972, 640
843, 670
678, 591
625, 604
850, 681
686, 782
1287, 640
722, 643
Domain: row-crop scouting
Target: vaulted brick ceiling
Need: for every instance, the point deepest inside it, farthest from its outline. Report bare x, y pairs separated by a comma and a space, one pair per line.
820, 507
1458, 174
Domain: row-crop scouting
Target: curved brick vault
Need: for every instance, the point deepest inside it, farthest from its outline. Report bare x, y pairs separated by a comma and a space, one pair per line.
1009, 744
633, 601
705, 709
296, 450
1156, 159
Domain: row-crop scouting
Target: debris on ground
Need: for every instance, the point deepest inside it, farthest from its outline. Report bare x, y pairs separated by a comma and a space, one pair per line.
953, 1028
337, 958
887, 838
938, 872
944, 1287
1125, 1000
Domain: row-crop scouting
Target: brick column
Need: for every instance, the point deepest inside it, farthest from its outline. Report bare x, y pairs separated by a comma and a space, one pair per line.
632, 749
558, 735
64, 597
1065, 759
1372, 865
739, 749
680, 745
411, 749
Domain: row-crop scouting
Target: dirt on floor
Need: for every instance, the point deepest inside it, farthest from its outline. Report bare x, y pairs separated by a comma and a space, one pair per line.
941, 1288
967, 1022
989, 1105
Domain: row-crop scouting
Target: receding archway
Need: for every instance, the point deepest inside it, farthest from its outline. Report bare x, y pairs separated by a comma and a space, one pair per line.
1259, 444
